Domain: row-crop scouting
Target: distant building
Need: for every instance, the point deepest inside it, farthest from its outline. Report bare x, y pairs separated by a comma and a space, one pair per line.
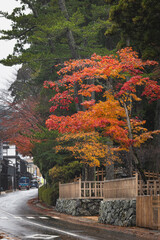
12, 167
12, 164
33, 169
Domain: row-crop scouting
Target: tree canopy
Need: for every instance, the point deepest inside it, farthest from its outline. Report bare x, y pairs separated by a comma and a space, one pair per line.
123, 81
98, 96
138, 24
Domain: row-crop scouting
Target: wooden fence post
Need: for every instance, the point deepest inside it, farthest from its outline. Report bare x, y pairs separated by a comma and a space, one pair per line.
101, 189
148, 189
102, 175
155, 188
80, 188
97, 174
59, 189
136, 176
90, 185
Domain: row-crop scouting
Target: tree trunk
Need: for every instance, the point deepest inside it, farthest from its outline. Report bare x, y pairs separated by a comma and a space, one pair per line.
28, 2
70, 37
135, 160
88, 173
128, 42
137, 164
73, 48
109, 171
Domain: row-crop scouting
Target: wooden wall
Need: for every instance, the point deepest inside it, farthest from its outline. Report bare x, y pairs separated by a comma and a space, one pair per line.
148, 212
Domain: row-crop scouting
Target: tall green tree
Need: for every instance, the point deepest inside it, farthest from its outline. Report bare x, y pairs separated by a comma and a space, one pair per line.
51, 31
56, 29
138, 23
46, 157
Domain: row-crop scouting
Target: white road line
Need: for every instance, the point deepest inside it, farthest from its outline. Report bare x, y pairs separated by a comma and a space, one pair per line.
43, 217
4, 218
18, 218
42, 236
52, 228
7, 213
59, 231
30, 217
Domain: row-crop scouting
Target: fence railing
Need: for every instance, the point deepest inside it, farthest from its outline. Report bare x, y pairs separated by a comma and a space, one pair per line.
117, 188
152, 187
100, 174
81, 189
92, 189
149, 175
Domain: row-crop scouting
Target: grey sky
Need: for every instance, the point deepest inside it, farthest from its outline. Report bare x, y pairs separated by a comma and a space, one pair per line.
7, 74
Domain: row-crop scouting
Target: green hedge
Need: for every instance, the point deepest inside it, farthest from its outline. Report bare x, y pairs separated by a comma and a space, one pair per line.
49, 194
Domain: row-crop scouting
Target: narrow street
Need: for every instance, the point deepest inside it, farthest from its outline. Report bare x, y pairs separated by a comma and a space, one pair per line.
19, 221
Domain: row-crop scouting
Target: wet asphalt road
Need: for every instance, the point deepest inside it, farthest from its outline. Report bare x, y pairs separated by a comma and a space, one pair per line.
18, 220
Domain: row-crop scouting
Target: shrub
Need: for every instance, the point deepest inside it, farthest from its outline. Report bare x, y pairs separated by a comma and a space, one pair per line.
49, 194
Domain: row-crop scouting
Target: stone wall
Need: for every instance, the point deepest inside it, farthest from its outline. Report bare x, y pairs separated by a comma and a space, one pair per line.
79, 207
118, 212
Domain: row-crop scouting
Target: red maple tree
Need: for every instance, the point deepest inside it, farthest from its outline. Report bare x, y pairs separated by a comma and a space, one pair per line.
117, 78
19, 122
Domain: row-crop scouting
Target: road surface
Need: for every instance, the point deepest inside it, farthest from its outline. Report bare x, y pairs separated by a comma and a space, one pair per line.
20, 222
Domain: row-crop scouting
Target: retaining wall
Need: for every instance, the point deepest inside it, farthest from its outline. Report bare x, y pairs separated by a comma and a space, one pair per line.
118, 212
79, 207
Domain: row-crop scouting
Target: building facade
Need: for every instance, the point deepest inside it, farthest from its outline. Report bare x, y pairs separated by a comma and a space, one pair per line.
12, 167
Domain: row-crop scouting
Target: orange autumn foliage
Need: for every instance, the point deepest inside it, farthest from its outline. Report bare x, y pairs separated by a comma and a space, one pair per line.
122, 74
88, 148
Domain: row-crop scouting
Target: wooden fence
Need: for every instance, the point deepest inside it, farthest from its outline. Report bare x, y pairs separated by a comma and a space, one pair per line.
100, 175
117, 188
81, 189
69, 190
148, 212
147, 196
148, 204
121, 188
152, 187
149, 175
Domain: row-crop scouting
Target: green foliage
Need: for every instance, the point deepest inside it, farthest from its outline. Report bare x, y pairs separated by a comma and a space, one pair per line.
23, 87
138, 23
49, 194
44, 155
44, 28
42, 40
65, 173
40, 190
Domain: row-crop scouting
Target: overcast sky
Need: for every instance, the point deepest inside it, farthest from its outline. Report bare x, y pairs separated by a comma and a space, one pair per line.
7, 74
